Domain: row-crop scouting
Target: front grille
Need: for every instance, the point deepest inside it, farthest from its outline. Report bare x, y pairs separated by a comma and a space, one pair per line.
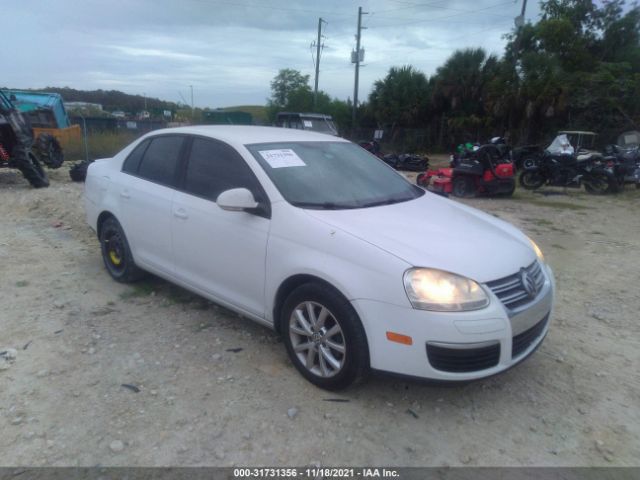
463, 359
523, 340
510, 290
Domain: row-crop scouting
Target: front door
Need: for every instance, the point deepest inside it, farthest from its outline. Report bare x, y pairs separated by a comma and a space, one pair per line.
216, 251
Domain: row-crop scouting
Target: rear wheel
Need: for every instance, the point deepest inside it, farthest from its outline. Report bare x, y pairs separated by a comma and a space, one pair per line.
31, 169
508, 191
116, 253
531, 180
599, 184
324, 337
463, 186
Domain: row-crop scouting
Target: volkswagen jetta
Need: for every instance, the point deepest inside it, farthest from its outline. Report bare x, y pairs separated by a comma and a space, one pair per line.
311, 235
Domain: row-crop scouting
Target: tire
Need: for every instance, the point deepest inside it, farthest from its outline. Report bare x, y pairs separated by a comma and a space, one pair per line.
330, 362
599, 184
49, 150
531, 180
509, 192
463, 187
32, 170
116, 253
78, 172
420, 180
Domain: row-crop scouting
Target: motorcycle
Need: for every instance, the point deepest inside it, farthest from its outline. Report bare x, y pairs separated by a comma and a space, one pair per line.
623, 159
561, 166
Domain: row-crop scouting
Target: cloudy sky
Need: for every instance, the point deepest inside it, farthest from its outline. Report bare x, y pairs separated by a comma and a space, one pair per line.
230, 50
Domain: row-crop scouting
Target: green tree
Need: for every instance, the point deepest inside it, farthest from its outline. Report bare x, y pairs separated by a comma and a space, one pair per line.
401, 98
286, 83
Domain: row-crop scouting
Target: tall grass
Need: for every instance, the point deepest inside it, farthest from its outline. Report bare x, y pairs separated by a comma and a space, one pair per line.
99, 145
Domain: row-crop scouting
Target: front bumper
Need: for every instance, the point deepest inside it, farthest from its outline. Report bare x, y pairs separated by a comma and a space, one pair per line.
457, 346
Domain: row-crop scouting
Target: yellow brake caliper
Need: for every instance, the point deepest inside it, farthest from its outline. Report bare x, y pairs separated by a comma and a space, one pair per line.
115, 259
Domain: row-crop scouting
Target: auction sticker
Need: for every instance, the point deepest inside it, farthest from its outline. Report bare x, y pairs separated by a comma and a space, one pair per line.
284, 157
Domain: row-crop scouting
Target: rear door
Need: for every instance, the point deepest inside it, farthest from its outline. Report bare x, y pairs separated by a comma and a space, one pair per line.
219, 252
149, 177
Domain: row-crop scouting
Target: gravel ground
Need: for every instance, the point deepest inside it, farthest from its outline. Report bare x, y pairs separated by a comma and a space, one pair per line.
149, 375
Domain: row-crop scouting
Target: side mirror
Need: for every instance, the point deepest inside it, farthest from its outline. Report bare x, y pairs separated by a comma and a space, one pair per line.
236, 200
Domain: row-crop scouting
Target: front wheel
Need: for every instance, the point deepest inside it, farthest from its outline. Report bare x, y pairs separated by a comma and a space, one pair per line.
49, 150
324, 337
599, 184
531, 180
32, 170
463, 187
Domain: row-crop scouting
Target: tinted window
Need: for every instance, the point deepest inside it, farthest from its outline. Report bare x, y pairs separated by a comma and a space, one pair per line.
132, 162
215, 167
160, 160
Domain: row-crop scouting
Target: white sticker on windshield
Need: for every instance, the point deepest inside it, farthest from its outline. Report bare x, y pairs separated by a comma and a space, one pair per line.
307, 123
284, 157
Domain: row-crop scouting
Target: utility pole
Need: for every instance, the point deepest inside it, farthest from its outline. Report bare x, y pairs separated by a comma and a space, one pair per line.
315, 90
519, 20
357, 62
191, 87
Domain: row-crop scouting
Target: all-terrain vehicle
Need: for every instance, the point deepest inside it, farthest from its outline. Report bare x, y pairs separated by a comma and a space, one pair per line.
474, 170
16, 141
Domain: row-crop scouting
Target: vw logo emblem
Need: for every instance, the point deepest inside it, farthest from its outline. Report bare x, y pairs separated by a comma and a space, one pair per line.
528, 283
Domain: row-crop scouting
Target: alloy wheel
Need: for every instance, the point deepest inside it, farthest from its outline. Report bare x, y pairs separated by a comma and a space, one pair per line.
317, 339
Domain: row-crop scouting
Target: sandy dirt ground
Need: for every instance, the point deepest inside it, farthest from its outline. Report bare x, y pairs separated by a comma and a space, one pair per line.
206, 387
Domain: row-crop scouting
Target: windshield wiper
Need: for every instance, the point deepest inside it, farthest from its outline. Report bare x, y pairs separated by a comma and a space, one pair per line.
323, 205
388, 201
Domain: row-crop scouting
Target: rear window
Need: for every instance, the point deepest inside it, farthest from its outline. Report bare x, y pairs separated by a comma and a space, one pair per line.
132, 162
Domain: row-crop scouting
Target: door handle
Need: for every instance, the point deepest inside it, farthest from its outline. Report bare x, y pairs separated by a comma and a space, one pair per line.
180, 213
125, 194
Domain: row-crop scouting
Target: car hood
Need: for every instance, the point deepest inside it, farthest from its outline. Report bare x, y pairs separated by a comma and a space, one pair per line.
432, 231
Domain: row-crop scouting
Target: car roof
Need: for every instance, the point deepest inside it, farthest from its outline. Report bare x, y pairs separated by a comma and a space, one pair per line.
576, 132
306, 114
248, 134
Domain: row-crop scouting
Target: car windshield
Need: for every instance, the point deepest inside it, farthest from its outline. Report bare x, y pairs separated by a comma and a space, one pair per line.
331, 175
629, 139
322, 125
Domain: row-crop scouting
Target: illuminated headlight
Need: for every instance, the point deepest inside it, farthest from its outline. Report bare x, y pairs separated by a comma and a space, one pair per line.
536, 249
439, 291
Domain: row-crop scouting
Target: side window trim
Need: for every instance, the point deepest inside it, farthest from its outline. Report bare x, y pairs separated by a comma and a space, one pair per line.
184, 164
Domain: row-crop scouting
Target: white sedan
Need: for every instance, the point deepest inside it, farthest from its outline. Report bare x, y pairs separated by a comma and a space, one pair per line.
318, 239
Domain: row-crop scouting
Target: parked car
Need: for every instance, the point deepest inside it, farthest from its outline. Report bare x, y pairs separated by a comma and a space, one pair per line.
317, 238
313, 122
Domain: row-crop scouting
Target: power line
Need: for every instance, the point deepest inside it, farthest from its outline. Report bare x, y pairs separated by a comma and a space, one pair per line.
286, 9
442, 18
435, 5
